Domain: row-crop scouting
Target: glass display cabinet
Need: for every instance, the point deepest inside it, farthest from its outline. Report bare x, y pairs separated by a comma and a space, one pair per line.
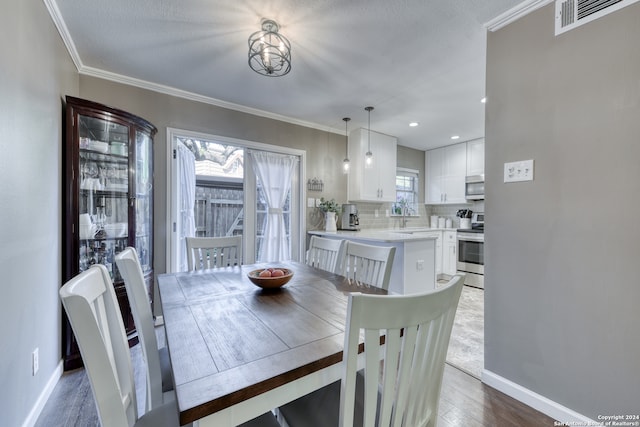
107, 200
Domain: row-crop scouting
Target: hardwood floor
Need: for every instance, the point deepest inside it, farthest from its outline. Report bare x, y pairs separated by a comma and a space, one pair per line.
464, 402
71, 403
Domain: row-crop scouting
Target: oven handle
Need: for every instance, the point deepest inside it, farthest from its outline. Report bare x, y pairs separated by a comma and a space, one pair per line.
467, 238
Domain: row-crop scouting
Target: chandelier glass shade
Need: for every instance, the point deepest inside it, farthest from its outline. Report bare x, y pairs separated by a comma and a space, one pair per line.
346, 164
269, 51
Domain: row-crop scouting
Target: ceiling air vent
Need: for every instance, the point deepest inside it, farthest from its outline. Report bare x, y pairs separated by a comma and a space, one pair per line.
573, 13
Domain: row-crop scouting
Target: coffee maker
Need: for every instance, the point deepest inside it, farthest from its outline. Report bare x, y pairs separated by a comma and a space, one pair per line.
350, 220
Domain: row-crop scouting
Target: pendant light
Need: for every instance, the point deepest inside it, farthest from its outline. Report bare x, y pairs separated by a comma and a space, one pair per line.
345, 163
368, 157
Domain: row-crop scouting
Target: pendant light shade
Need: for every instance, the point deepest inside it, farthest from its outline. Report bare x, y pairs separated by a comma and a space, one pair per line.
269, 51
368, 161
346, 164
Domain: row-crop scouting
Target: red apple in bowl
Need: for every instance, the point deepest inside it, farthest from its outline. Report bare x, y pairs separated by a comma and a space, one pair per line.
270, 277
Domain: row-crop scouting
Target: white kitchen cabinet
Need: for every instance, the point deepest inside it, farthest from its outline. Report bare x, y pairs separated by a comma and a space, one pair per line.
475, 157
446, 251
378, 183
449, 253
446, 169
438, 235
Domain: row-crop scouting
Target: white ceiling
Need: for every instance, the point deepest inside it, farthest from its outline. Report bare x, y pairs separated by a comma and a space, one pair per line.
413, 60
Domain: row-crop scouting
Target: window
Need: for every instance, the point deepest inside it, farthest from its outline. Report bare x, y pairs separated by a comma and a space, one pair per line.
228, 197
406, 192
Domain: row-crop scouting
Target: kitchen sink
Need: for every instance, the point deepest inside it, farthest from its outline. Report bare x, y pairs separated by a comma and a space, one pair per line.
410, 230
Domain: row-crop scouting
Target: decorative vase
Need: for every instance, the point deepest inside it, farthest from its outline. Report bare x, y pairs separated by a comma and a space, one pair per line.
330, 221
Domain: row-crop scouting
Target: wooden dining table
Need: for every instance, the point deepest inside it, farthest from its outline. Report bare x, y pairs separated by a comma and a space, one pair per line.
238, 351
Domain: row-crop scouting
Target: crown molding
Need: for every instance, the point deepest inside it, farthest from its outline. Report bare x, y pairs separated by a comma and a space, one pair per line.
168, 90
54, 12
515, 13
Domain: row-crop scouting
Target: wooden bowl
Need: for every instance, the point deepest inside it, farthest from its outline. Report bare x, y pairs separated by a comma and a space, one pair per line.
270, 282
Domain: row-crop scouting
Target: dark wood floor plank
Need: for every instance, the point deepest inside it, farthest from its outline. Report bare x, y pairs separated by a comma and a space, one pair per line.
465, 401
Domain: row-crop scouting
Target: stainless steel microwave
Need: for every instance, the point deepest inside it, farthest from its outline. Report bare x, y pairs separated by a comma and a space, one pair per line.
474, 187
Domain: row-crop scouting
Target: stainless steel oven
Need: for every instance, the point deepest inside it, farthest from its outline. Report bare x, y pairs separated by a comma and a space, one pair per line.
471, 256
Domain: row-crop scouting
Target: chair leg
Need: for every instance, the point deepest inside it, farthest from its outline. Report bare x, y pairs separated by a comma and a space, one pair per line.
280, 418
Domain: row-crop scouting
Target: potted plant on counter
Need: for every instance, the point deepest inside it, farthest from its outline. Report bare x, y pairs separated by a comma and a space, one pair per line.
330, 209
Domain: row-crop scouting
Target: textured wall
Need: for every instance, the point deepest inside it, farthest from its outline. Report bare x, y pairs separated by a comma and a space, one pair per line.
561, 297
35, 74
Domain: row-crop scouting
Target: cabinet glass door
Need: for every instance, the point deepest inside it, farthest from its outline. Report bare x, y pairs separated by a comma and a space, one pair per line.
144, 200
103, 192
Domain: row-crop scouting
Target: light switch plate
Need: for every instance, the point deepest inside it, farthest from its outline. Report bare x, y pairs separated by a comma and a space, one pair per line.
311, 202
518, 171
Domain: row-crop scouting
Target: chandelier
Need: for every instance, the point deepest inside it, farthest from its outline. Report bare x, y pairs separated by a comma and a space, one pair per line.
269, 51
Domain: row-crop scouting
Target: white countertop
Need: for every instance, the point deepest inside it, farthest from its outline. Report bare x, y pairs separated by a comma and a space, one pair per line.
383, 235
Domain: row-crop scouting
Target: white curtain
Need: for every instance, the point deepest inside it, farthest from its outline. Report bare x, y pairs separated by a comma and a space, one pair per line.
187, 179
274, 172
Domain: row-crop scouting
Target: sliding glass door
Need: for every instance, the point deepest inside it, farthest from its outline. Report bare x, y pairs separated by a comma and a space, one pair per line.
241, 188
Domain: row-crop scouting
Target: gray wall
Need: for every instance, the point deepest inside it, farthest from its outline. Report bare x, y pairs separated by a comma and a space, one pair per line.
562, 289
325, 150
35, 73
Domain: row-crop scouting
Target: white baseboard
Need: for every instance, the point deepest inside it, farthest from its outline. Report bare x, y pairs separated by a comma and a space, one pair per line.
44, 396
535, 400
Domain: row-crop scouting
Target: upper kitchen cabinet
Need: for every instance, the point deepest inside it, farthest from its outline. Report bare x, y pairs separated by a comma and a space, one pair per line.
446, 169
107, 198
475, 157
377, 183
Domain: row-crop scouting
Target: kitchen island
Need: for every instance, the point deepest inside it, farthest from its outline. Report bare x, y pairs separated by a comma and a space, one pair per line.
413, 268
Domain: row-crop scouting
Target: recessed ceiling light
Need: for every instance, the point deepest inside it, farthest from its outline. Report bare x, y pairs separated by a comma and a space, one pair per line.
484, 100
413, 124
455, 137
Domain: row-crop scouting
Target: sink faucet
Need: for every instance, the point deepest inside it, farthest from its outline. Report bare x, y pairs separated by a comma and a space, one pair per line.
403, 221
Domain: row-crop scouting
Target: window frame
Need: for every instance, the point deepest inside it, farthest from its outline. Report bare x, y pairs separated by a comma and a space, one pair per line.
414, 174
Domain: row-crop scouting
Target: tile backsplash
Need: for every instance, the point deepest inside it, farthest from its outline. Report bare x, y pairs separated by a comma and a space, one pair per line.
375, 215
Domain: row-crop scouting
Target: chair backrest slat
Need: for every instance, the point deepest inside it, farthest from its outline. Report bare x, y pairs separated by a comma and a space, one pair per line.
213, 252
368, 265
325, 254
93, 311
131, 271
417, 329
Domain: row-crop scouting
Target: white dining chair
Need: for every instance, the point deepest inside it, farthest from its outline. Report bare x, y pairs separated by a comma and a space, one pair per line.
213, 252
368, 265
92, 308
158, 367
325, 254
404, 388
